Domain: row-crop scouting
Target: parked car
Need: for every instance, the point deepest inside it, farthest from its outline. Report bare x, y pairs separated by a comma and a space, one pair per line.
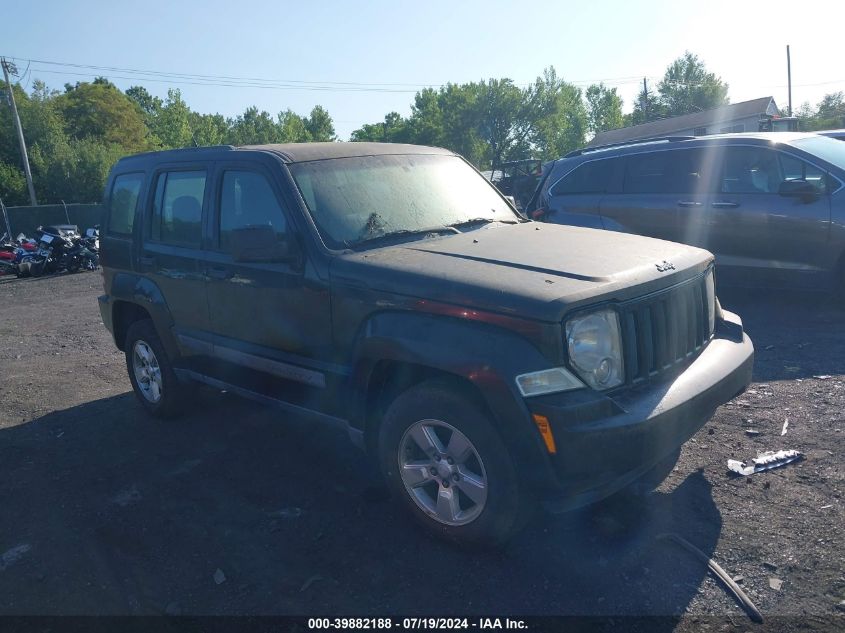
770, 206
839, 135
482, 360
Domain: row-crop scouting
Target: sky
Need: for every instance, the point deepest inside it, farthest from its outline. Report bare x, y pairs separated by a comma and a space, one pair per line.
361, 60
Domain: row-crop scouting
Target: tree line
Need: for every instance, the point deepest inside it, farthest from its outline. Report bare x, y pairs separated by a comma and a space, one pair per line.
75, 136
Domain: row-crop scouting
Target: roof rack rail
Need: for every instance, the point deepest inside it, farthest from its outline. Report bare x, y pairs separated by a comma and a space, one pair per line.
635, 141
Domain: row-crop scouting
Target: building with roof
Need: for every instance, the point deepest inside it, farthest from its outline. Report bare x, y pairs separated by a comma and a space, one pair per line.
744, 116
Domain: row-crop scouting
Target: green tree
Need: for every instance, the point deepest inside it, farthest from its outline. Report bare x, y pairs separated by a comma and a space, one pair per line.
208, 129
831, 106
829, 113
171, 122
504, 114
559, 116
647, 107
12, 186
99, 110
392, 130
149, 104
254, 127
320, 125
293, 128
604, 108
687, 87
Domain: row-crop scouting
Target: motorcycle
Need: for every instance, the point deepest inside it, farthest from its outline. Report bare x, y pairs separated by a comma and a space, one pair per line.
14, 253
81, 255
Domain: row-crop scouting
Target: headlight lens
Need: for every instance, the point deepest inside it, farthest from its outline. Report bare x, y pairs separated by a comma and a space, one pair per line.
594, 342
710, 289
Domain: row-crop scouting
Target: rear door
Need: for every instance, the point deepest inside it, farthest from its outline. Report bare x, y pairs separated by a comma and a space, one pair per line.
171, 253
760, 234
659, 190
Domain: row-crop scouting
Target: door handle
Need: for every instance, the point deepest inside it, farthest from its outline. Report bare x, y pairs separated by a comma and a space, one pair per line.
147, 261
725, 205
688, 203
219, 273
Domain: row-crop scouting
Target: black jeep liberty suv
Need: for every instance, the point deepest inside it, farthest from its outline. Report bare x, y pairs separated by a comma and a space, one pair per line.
488, 361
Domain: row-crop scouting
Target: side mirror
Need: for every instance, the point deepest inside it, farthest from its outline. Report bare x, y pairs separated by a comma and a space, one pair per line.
261, 244
799, 189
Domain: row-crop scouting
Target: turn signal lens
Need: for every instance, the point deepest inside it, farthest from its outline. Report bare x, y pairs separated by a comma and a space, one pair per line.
542, 423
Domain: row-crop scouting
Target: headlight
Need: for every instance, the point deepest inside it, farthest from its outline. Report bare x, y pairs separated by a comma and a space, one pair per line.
594, 342
710, 290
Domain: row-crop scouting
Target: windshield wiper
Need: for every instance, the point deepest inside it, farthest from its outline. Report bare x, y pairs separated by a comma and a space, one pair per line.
465, 223
401, 233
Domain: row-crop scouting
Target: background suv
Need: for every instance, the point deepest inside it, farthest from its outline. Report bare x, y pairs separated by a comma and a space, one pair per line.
770, 206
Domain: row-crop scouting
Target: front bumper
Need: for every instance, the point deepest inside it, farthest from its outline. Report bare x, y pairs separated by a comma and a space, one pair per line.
605, 442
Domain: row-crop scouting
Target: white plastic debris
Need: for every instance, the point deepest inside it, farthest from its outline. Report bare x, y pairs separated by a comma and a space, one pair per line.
785, 426
764, 461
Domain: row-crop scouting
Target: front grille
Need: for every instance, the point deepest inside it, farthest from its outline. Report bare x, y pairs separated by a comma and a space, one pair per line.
662, 330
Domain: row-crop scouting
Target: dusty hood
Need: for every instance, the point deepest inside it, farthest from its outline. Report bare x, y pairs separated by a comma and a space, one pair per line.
535, 270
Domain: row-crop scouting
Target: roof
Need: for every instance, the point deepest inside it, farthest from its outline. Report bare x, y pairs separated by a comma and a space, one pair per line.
634, 146
675, 124
296, 152
301, 152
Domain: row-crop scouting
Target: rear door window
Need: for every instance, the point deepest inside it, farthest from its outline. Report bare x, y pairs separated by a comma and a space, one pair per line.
692, 171
177, 209
591, 177
123, 202
648, 173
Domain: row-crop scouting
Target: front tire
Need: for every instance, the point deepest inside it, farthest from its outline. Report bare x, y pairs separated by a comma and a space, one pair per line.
151, 372
442, 456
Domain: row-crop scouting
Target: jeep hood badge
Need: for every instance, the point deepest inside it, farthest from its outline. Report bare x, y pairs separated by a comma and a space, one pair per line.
664, 266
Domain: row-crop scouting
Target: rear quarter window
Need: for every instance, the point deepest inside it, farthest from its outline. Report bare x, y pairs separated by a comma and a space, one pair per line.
123, 202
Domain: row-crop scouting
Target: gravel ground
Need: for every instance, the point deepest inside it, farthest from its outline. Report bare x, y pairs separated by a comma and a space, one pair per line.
232, 510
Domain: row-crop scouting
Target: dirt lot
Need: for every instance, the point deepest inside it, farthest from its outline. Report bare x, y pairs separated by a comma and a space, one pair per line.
105, 511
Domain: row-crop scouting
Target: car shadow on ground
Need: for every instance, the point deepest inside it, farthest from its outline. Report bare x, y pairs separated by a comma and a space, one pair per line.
795, 334
235, 510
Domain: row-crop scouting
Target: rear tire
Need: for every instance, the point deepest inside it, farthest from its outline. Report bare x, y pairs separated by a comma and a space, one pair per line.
442, 456
151, 371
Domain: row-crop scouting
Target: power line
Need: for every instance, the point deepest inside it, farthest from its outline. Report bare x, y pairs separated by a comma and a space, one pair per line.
134, 74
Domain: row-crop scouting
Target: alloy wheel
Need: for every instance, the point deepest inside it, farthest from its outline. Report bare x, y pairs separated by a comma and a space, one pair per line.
442, 472
147, 371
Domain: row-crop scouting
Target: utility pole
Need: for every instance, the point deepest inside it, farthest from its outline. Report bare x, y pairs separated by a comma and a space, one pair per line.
645, 99
6, 67
789, 78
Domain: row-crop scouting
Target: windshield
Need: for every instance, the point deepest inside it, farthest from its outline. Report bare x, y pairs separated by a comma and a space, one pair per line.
827, 149
355, 200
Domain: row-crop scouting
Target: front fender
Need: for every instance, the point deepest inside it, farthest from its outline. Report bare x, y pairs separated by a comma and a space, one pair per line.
487, 356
